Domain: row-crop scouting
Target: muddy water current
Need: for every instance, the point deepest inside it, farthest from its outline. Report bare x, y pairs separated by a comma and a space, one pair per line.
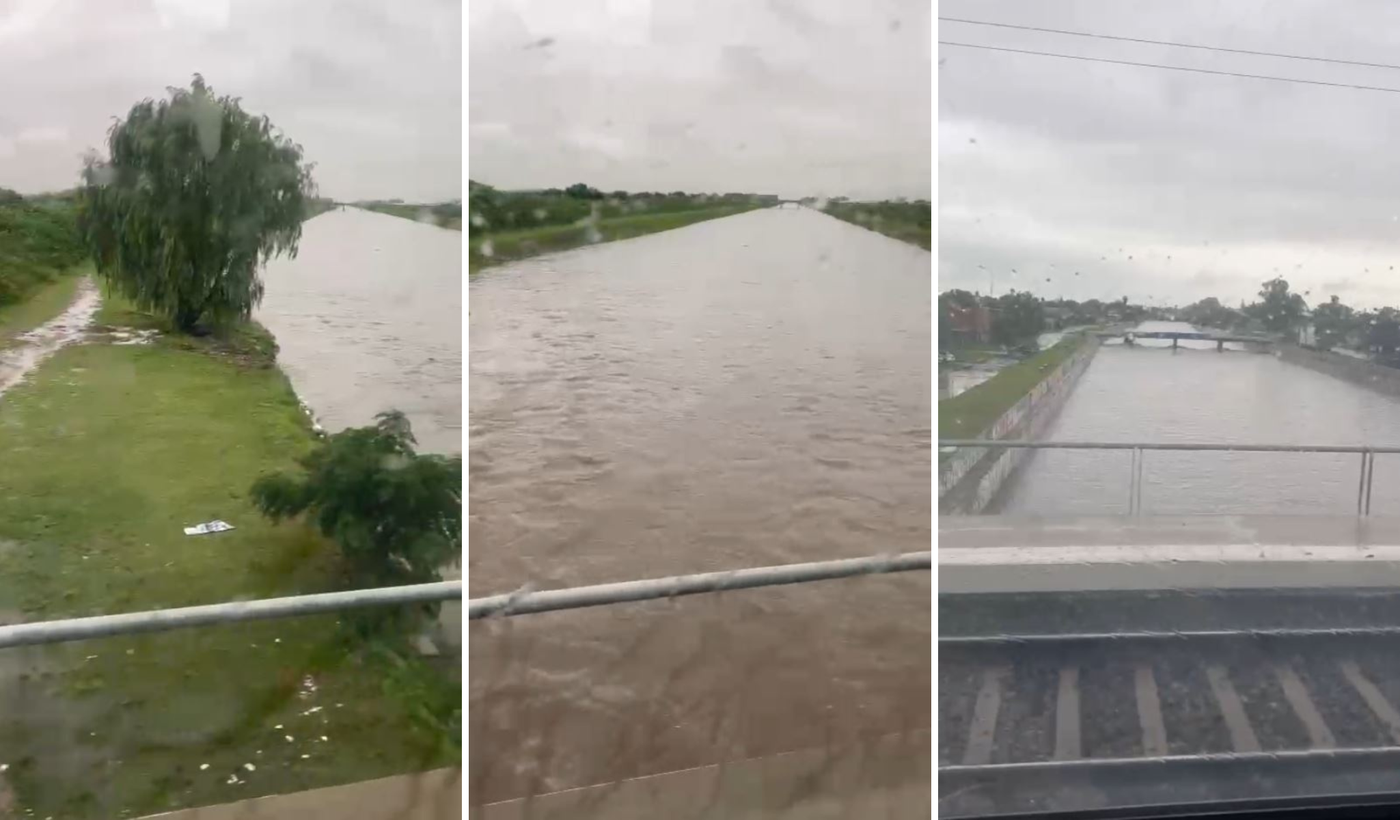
368, 317
743, 392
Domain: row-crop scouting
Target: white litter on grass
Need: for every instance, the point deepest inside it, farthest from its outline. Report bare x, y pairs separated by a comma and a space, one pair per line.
278, 726
250, 767
208, 527
325, 739
4, 767
203, 766
290, 738
303, 757
313, 710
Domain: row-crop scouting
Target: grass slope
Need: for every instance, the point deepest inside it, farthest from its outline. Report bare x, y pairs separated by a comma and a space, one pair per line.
37, 244
968, 414
906, 221
109, 452
513, 245
417, 213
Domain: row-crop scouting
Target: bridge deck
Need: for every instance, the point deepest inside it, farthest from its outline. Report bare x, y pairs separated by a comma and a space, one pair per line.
1184, 334
991, 553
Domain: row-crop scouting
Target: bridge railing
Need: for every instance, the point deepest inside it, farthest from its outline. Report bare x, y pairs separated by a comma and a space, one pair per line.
524, 602
1364, 479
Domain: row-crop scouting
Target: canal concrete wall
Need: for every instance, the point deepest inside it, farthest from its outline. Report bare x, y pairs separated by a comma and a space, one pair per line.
1360, 372
971, 479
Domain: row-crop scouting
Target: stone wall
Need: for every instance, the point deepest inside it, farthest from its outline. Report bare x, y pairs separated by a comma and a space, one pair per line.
970, 479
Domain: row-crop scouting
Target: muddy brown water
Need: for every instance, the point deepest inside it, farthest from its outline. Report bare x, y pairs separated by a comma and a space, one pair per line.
742, 392
368, 317
1152, 393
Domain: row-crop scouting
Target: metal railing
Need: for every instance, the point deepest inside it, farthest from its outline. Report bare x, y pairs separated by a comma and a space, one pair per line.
1363, 487
524, 601
163, 620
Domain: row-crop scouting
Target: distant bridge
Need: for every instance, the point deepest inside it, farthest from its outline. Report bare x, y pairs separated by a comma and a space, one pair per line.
1130, 336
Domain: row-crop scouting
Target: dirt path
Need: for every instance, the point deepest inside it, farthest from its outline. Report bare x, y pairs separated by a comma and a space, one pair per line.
45, 340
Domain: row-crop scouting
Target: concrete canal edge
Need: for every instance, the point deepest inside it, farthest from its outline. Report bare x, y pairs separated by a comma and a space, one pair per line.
1360, 372
970, 480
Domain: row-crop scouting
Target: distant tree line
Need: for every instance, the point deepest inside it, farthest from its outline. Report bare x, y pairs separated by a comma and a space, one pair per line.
492, 210
1016, 318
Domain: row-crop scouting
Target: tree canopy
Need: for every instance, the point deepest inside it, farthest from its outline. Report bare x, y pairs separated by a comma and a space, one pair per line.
195, 196
1280, 310
395, 514
1017, 317
1333, 322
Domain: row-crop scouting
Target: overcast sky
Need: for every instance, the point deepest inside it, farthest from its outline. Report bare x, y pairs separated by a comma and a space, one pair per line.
791, 97
1210, 184
371, 89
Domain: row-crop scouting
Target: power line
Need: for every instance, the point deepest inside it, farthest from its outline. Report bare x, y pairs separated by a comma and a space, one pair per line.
1171, 67
1170, 43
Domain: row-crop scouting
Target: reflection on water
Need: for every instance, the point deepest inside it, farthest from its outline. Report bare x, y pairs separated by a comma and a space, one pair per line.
748, 391
368, 317
1195, 394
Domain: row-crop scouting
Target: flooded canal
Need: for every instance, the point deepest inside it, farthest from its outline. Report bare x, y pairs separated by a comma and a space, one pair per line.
1150, 393
368, 318
742, 392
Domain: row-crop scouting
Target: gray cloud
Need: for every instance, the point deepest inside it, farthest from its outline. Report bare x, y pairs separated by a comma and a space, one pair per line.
780, 96
371, 90
1045, 160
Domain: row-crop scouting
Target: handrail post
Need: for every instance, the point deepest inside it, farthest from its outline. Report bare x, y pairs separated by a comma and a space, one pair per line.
1370, 478
1135, 482
1361, 485
1141, 457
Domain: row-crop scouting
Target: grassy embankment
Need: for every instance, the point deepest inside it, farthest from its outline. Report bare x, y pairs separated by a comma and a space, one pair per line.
40, 257
512, 245
109, 451
969, 414
906, 221
443, 215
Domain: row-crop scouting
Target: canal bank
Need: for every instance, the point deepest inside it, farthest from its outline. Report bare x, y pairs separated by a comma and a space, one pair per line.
1360, 372
969, 480
109, 450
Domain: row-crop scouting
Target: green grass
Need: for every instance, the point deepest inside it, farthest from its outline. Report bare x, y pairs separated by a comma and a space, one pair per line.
417, 213
968, 414
974, 354
109, 452
41, 304
37, 244
906, 221
513, 245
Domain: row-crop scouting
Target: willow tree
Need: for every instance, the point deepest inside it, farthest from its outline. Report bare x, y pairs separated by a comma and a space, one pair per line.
195, 197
